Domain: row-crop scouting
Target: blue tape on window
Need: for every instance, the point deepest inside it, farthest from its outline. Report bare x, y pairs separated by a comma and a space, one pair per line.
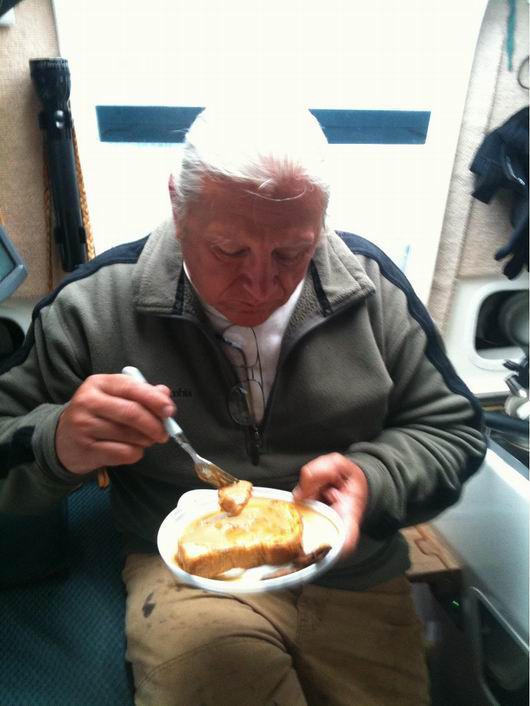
376, 127
168, 124
143, 123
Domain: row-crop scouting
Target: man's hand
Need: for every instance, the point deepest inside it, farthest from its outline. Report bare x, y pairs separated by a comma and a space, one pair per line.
110, 421
338, 482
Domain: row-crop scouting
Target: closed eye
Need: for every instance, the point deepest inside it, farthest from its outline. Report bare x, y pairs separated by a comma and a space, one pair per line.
229, 252
289, 257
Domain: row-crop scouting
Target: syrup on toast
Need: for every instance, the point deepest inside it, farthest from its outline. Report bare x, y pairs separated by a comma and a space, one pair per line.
264, 532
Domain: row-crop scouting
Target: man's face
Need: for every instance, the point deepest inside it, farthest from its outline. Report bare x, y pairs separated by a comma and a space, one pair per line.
246, 253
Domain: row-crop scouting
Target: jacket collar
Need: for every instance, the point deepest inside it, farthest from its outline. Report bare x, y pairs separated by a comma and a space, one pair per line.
342, 278
335, 279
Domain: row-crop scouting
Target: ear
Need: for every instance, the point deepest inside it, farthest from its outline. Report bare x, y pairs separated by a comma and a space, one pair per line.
173, 197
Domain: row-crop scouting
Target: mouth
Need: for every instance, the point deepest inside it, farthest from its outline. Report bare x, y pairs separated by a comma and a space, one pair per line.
256, 307
248, 315
257, 312
268, 304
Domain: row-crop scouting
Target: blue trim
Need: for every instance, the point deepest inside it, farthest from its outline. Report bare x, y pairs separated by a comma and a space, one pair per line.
120, 254
126, 253
168, 124
510, 32
142, 123
374, 127
436, 355
434, 350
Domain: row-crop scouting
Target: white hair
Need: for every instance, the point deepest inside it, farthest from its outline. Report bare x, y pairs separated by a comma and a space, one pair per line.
255, 147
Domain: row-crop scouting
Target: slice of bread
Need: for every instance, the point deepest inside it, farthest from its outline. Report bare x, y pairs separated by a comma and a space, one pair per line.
265, 532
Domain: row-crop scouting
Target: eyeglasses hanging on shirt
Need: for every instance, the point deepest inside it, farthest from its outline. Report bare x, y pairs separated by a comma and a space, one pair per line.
246, 399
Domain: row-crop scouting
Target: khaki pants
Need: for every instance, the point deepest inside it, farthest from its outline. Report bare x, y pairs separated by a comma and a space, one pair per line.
309, 646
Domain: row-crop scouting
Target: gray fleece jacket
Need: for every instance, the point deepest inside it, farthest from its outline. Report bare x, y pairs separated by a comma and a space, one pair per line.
362, 371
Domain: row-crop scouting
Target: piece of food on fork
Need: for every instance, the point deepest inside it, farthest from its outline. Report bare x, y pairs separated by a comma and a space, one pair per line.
233, 498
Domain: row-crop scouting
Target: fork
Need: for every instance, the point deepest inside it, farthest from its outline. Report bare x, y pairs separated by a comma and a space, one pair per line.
206, 470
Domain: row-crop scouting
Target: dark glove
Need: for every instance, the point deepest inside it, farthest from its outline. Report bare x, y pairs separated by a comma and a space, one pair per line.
502, 162
517, 245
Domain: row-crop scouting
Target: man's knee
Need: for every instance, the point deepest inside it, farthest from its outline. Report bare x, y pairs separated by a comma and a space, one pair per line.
189, 648
230, 670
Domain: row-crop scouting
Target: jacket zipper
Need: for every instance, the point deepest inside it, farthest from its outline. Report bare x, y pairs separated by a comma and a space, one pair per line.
255, 442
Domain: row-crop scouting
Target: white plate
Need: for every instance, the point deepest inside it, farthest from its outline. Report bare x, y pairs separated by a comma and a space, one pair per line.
324, 527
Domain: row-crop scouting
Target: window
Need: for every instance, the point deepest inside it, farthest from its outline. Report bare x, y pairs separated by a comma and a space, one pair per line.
411, 56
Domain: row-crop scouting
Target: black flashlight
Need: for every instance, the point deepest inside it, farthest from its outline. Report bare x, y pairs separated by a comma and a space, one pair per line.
51, 78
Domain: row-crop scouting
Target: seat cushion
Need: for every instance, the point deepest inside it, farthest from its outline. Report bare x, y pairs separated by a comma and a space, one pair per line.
33, 547
62, 640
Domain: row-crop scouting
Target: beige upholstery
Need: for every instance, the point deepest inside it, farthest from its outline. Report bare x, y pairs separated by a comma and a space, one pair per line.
21, 152
473, 231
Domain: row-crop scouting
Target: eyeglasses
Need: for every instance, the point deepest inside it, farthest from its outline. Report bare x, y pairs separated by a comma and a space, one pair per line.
246, 399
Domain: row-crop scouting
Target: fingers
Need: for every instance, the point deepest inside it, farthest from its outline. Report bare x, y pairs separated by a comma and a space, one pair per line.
318, 474
113, 453
156, 398
116, 399
347, 506
165, 390
111, 420
101, 429
340, 483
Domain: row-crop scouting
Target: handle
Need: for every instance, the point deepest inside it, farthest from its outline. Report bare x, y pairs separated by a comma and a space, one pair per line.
170, 425
133, 373
501, 422
515, 386
523, 412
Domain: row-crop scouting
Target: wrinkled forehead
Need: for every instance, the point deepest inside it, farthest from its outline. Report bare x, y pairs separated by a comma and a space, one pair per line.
285, 203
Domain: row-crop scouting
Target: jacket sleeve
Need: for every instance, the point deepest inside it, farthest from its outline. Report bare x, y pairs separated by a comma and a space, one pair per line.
34, 387
432, 438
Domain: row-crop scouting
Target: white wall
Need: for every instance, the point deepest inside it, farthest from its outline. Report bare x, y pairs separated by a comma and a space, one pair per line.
383, 54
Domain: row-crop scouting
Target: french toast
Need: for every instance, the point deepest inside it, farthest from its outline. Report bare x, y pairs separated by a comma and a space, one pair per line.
264, 532
233, 498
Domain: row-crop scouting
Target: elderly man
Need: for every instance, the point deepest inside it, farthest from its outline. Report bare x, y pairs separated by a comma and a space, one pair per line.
246, 296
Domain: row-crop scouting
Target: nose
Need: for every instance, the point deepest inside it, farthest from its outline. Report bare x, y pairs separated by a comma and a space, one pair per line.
260, 277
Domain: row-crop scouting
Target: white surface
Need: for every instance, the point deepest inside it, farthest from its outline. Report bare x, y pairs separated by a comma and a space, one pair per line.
483, 372
488, 530
198, 503
408, 55
8, 18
